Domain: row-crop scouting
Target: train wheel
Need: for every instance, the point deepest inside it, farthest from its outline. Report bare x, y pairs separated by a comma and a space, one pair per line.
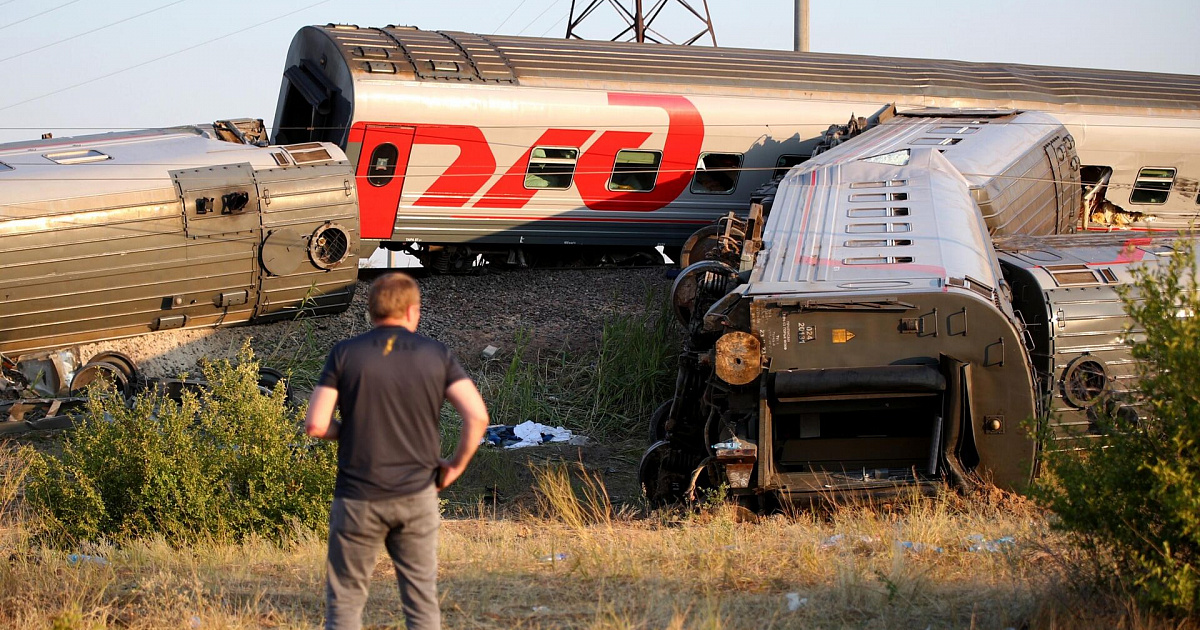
101, 372
658, 422
698, 287
269, 379
653, 478
709, 243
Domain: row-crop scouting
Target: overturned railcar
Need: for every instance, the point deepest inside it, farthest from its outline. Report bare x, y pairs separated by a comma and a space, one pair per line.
871, 337
120, 234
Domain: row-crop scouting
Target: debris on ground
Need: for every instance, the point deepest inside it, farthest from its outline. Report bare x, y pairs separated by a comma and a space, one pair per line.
554, 557
977, 542
489, 352
529, 433
795, 602
918, 547
78, 558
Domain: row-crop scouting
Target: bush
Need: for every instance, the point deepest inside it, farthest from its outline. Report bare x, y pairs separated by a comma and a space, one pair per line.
1136, 497
218, 466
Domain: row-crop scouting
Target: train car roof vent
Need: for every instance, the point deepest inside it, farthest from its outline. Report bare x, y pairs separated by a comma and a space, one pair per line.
342, 27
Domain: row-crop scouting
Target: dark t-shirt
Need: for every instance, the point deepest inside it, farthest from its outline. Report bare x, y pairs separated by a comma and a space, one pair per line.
391, 384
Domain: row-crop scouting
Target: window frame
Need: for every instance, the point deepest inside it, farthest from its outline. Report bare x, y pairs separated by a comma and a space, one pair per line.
1170, 186
570, 176
781, 170
737, 174
77, 156
616, 160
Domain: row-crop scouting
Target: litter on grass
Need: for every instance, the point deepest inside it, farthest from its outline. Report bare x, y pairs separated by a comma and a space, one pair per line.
529, 433
977, 542
77, 558
795, 602
918, 547
557, 557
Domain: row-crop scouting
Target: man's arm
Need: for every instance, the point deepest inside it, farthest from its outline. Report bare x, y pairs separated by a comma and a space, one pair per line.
319, 421
469, 404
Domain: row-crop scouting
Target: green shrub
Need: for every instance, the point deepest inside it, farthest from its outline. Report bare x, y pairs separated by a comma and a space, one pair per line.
217, 466
1136, 496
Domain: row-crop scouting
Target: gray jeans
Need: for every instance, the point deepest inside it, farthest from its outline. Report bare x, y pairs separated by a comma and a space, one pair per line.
408, 527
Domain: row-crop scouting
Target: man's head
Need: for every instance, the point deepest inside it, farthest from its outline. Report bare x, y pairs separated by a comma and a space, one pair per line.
394, 300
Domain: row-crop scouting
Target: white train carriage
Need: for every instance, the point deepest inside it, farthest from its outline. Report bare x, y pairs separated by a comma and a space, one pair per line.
120, 234
468, 143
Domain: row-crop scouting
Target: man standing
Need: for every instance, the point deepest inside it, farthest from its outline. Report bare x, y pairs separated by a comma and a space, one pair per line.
389, 384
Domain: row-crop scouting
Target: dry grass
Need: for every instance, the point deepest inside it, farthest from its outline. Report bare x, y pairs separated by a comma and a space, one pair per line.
666, 570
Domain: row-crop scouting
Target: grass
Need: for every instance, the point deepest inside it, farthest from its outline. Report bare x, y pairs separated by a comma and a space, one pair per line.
607, 393
557, 537
581, 564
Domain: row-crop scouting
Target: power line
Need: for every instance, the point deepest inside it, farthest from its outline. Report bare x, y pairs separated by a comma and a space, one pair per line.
539, 16
95, 30
160, 58
512, 13
50, 10
640, 126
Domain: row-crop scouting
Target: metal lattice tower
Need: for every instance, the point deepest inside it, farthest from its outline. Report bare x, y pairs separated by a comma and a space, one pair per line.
640, 20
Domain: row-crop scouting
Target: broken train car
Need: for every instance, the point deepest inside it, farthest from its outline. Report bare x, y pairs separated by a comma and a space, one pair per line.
870, 335
120, 234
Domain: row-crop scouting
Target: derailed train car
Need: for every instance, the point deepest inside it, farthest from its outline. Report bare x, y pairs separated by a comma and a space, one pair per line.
121, 234
872, 337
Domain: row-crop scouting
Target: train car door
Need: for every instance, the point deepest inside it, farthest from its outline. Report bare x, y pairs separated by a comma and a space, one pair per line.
223, 232
382, 164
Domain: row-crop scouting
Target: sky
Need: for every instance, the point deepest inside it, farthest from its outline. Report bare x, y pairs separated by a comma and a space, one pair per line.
77, 66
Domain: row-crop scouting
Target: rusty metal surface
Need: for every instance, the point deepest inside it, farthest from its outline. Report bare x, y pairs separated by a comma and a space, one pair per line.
739, 358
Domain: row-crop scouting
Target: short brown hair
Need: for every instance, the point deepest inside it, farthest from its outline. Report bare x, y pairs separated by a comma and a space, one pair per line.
390, 296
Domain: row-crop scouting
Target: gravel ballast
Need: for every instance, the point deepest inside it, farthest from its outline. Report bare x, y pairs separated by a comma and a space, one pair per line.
557, 308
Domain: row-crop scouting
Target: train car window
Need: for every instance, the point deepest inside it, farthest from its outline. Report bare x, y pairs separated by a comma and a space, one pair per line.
383, 164
635, 171
77, 157
308, 153
895, 158
717, 173
936, 141
1072, 274
5, 167
955, 129
1153, 185
551, 167
785, 163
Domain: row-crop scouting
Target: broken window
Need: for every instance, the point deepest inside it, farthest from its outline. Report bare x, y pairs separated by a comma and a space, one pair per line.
717, 173
551, 168
1153, 185
785, 164
635, 171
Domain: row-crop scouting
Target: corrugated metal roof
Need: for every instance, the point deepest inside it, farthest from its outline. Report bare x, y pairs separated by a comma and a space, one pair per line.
869, 226
576, 62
